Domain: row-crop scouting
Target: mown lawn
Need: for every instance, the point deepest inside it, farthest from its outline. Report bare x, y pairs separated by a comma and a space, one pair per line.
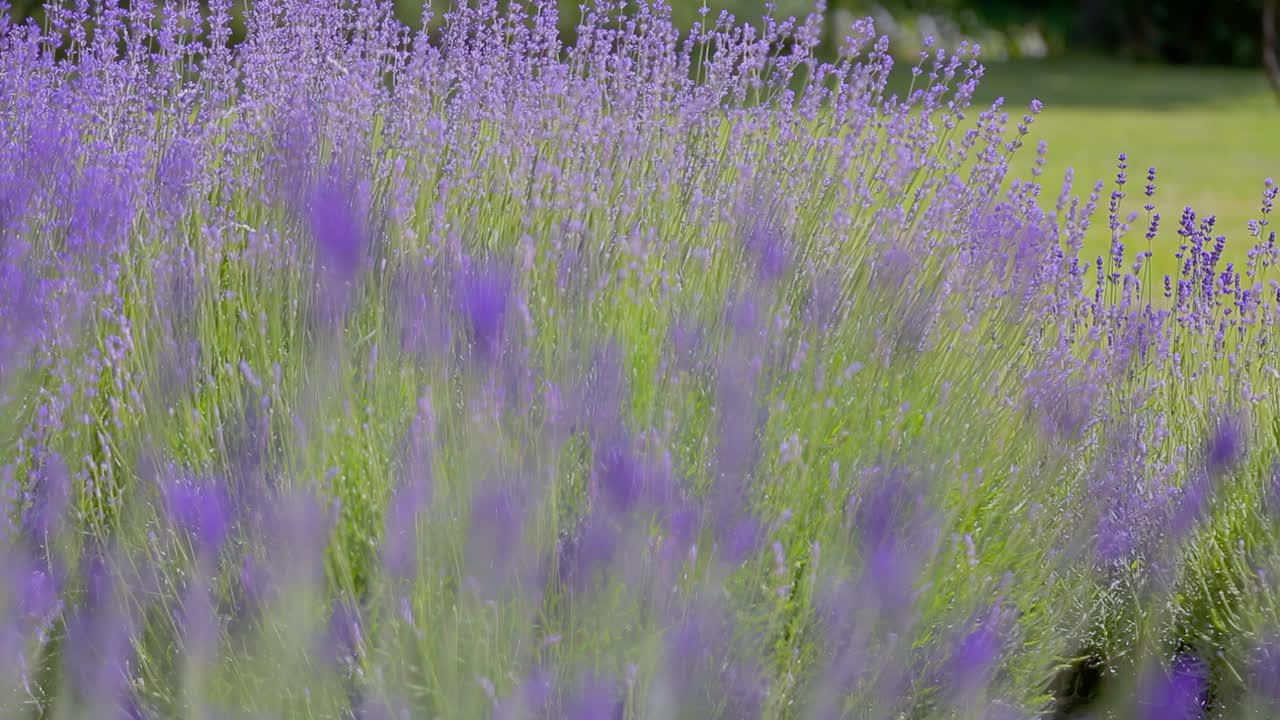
1213, 134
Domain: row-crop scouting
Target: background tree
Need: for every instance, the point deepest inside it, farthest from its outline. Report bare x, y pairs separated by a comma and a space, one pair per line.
1270, 43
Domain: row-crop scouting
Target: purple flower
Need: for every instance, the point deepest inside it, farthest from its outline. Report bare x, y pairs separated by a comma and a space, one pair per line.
400, 529
39, 597
294, 528
175, 171
893, 269
1225, 446
620, 475
745, 691
367, 708
738, 539
198, 509
1176, 694
1264, 675
595, 699
248, 593
582, 554
1271, 493
484, 296
493, 539
530, 699
338, 230
974, 659
101, 631
768, 247
49, 489
686, 342
344, 637
686, 647
682, 523
884, 507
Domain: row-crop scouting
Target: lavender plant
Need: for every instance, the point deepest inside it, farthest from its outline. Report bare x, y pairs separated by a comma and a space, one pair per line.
355, 372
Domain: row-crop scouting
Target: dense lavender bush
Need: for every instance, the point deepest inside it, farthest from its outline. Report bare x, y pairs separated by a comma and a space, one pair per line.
349, 372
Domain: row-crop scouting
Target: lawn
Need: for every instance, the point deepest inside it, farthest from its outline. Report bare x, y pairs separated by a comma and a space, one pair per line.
1213, 134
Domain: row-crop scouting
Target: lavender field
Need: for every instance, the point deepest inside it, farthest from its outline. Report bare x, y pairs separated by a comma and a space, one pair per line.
355, 372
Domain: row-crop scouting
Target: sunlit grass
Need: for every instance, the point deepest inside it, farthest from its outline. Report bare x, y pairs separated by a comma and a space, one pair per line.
1211, 133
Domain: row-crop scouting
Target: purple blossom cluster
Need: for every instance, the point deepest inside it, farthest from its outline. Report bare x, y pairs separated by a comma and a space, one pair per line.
349, 371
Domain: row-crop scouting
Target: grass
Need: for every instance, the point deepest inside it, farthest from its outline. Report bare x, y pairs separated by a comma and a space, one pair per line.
1210, 133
